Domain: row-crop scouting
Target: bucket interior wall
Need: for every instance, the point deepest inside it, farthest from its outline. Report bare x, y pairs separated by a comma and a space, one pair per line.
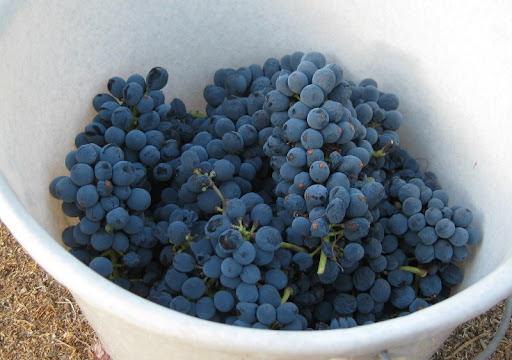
453, 93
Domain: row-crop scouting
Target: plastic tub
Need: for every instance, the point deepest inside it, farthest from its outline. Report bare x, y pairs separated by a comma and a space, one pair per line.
449, 62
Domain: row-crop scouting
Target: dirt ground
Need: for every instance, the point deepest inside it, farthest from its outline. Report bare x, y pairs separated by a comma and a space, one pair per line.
39, 319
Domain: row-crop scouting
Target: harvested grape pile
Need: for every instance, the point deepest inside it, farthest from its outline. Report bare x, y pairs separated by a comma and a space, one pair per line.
289, 205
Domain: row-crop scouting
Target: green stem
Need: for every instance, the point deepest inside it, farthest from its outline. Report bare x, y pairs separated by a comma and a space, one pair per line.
246, 234
135, 120
319, 248
217, 191
384, 151
184, 247
215, 188
220, 210
322, 263
295, 248
197, 114
288, 291
297, 96
112, 254
334, 233
414, 270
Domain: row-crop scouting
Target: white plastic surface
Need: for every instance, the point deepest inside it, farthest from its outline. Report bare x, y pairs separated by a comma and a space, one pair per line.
449, 62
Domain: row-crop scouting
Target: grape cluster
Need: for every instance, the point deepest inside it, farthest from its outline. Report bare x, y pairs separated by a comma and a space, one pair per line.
288, 205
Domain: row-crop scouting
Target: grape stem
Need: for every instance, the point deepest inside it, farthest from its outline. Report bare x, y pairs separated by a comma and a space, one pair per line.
319, 248
246, 234
414, 270
109, 228
323, 257
288, 291
384, 151
293, 247
217, 191
214, 187
135, 120
197, 114
322, 263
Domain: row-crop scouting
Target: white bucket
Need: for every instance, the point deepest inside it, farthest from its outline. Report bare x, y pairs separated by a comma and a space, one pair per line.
449, 62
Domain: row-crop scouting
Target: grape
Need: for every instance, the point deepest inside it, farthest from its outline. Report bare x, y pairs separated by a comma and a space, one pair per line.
318, 118
268, 294
287, 312
356, 228
139, 199
433, 215
325, 79
214, 95
351, 166
336, 211
397, 278
246, 311
268, 238
398, 224
316, 195
303, 261
276, 101
81, 174
408, 191
369, 93
331, 272
474, 235
315, 57
184, 262
86, 196
262, 213
230, 240
345, 304
299, 110
250, 274
181, 304
402, 297
296, 81
212, 267
205, 308
460, 237
319, 171
424, 253
445, 228
308, 68
353, 252
193, 288
102, 266
157, 78
230, 267
417, 222
266, 314
117, 218
312, 95
357, 205
462, 217
363, 278
364, 113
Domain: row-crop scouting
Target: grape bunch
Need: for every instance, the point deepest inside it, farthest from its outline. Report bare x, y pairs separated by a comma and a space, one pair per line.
289, 205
